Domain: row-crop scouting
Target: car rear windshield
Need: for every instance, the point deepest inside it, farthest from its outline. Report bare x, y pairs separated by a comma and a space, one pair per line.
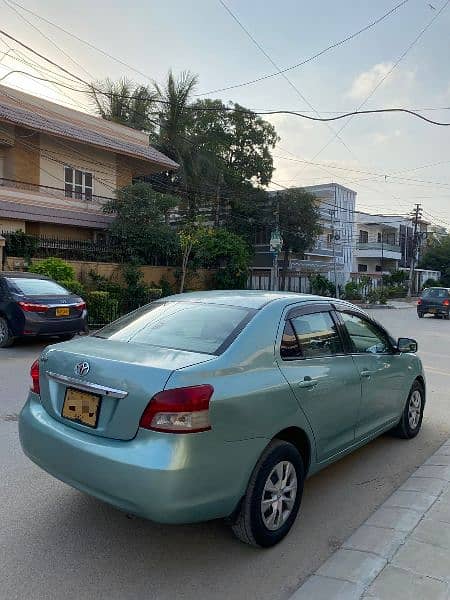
435, 293
191, 326
36, 287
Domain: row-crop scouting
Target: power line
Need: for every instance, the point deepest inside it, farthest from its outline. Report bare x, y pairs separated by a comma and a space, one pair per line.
75, 62
71, 34
248, 111
310, 58
273, 63
398, 61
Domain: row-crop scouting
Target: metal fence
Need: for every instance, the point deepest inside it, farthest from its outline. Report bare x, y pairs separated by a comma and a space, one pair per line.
38, 246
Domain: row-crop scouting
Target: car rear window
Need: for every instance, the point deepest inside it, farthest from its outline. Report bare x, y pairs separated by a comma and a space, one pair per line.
191, 326
36, 287
435, 293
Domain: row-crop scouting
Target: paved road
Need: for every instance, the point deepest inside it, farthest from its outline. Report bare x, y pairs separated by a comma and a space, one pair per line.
56, 543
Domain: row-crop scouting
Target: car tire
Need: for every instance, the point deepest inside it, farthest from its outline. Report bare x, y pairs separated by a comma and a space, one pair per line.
420, 315
277, 485
6, 338
411, 420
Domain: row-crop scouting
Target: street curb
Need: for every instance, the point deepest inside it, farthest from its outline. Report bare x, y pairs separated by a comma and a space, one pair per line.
373, 547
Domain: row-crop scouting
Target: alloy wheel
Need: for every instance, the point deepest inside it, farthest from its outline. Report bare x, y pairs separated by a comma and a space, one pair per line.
3, 330
279, 494
414, 409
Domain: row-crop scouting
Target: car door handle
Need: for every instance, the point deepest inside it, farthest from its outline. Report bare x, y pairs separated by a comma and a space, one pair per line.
307, 383
366, 373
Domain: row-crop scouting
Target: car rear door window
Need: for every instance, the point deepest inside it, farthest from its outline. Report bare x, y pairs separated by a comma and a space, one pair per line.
36, 287
191, 326
364, 335
316, 335
437, 293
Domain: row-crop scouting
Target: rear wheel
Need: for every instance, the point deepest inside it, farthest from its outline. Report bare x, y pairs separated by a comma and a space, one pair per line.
6, 338
420, 315
411, 421
273, 496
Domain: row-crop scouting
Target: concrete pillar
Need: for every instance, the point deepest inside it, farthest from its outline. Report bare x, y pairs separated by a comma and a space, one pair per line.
2, 249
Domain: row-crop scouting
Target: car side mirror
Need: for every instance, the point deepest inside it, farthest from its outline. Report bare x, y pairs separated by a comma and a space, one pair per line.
407, 345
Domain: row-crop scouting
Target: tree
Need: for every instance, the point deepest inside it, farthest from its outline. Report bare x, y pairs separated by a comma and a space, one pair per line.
298, 223
191, 236
234, 145
437, 258
229, 254
140, 223
124, 102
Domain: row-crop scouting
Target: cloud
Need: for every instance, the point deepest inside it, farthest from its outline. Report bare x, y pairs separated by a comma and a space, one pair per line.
382, 138
365, 82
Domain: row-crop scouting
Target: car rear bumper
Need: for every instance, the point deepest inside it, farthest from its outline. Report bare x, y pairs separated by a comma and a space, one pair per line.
37, 325
163, 477
433, 310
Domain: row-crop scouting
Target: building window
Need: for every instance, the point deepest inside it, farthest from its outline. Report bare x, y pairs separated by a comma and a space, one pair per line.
362, 268
363, 236
379, 239
77, 184
378, 268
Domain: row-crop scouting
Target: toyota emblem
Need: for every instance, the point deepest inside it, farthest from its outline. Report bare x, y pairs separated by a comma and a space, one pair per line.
82, 368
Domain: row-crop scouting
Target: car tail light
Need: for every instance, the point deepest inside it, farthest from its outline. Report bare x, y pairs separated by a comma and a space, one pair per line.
80, 306
446, 302
30, 307
181, 410
419, 301
34, 372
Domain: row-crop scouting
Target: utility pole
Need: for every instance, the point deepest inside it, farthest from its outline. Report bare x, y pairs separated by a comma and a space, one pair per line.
415, 246
382, 258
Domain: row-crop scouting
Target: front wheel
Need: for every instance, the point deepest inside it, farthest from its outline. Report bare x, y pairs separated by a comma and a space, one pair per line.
411, 421
273, 496
6, 338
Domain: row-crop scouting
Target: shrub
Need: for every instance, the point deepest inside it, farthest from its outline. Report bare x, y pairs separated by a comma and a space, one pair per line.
352, 291
21, 244
102, 309
56, 268
73, 286
322, 286
430, 283
377, 296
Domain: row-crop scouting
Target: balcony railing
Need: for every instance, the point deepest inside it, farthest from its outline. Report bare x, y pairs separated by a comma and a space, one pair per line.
378, 246
54, 192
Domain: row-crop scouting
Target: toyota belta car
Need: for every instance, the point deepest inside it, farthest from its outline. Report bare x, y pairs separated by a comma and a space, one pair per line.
35, 305
219, 404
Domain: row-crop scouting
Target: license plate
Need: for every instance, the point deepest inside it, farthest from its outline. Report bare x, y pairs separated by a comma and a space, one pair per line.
433, 310
63, 311
81, 407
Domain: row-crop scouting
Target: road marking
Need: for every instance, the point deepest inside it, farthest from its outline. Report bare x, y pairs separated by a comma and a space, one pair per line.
433, 370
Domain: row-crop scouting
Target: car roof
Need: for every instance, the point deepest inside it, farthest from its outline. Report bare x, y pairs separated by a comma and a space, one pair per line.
22, 275
243, 298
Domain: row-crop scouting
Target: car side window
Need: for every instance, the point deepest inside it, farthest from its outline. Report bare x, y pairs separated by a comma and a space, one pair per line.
365, 336
316, 335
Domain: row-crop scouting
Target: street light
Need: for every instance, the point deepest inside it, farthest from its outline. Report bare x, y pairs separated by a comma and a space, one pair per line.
276, 243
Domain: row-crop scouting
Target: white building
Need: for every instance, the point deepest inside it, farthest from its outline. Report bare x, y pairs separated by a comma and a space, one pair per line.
331, 256
384, 243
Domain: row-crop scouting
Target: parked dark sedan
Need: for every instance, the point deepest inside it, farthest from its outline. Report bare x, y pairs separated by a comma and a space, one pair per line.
434, 301
32, 305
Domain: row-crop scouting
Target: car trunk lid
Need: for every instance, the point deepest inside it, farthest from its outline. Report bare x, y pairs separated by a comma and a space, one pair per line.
121, 376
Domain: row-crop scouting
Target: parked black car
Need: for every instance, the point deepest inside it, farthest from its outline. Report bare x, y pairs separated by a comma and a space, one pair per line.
434, 301
32, 305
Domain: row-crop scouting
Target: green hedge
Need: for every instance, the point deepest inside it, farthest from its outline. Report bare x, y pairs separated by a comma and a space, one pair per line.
102, 309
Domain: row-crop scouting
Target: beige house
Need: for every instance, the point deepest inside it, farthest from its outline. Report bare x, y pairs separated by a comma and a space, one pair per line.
59, 166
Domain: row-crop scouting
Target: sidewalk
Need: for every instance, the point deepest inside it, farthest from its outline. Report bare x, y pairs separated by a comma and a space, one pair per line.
402, 551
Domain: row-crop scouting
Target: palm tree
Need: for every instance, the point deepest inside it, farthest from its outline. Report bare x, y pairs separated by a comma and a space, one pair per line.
124, 102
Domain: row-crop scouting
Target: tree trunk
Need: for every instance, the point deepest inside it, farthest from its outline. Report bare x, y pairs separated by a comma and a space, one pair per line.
184, 264
284, 269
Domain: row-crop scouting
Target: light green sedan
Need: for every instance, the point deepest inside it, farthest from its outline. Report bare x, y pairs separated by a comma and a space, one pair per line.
219, 404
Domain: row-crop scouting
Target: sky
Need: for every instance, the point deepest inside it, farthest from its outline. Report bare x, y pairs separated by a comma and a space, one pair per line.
392, 161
